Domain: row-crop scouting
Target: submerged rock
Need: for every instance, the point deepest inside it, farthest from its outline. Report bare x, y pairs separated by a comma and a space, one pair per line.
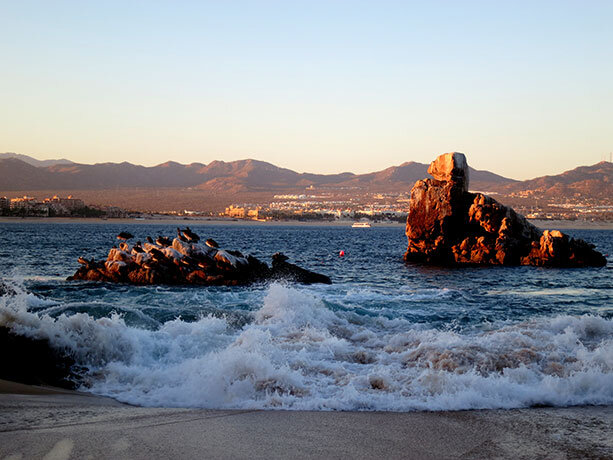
447, 225
5, 289
185, 261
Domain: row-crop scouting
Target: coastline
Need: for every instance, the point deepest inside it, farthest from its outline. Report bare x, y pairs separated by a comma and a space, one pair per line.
39, 421
570, 224
190, 221
542, 224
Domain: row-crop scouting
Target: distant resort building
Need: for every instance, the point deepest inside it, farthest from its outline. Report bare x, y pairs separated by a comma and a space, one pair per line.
236, 212
253, 213
23, 202
54, 206
63, 206
27, 205
242, 212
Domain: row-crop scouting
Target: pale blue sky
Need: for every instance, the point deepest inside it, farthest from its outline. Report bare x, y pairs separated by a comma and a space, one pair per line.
523, 88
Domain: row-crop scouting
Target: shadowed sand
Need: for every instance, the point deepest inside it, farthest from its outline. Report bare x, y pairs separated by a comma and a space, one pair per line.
49, 423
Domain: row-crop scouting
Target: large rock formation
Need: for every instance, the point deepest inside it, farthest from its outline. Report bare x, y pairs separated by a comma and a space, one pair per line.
447, 225
186, 261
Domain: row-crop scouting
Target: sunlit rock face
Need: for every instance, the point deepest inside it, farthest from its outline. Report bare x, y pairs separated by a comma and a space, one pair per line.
447, 225
450, 167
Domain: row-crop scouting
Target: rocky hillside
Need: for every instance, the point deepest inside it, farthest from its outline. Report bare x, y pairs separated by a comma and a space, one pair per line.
594, 181
218, 176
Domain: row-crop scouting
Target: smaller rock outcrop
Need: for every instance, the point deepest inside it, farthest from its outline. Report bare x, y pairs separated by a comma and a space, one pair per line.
447, 225
281, 269
183, 260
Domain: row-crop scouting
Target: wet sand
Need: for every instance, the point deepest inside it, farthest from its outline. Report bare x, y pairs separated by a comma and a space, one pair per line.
58, 424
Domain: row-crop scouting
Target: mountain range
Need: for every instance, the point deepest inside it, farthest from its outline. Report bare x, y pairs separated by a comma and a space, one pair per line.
21, 173
594, 181
34, 161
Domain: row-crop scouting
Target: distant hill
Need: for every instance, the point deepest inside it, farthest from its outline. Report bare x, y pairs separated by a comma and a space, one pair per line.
396, 177
34, 161
197, 186
218, 176
594, 181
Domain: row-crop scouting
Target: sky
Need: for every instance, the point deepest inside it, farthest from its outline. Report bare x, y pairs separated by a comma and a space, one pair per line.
524, 89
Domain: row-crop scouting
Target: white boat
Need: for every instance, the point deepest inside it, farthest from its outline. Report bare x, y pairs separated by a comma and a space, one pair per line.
361, 225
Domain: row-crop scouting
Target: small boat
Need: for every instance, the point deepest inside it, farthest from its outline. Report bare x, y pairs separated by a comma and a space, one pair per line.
361, 225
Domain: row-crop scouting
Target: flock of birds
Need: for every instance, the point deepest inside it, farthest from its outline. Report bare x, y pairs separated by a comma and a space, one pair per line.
186, 235
184, 259
184, 250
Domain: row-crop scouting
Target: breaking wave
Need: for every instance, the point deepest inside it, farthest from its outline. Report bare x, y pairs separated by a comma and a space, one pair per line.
299, 348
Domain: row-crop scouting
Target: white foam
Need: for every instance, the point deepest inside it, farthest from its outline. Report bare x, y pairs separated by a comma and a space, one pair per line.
296, 353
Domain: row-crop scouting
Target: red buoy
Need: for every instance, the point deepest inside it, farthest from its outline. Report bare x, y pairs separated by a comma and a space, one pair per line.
341, 254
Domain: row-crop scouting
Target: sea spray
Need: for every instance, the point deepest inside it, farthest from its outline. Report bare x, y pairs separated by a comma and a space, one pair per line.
297, 350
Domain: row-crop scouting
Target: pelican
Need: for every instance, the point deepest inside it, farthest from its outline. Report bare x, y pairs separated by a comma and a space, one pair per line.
157, 254
211, 243
163, 241
83, 261
180, 235
191, 236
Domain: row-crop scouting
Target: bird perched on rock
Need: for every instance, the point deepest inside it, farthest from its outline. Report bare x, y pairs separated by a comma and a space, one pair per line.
125, 236
191, 236
180, 235
186, 260
149, 240
157, 255
211, 243
84, 261
163, 241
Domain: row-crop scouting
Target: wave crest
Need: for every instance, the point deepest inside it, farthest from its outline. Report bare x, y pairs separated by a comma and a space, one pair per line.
298, 353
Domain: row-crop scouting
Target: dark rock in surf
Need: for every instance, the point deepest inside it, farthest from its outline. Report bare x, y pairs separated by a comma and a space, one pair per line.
5, 289
34, 361
447, 225
281, 269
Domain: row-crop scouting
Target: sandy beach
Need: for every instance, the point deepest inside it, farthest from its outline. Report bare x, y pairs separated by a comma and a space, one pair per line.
57, 424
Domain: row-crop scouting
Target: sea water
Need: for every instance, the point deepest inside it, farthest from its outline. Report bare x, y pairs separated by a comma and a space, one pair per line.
384, 336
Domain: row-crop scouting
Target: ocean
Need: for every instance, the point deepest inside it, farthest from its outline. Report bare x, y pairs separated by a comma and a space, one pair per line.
385, 336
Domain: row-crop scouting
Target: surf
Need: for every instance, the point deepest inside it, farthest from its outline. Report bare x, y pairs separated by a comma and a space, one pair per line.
296, 351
